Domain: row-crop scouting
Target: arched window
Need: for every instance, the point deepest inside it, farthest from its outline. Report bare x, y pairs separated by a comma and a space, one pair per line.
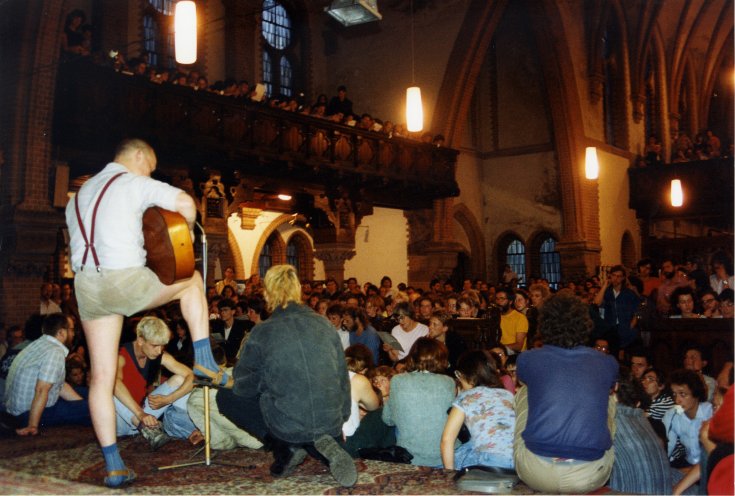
265, 260
292, 256
627, 250
515, 256
277, 32
158, 33
150, 36
550, 262
165, 7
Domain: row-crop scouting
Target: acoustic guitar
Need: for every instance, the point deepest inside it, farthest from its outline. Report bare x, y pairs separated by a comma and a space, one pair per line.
167, 241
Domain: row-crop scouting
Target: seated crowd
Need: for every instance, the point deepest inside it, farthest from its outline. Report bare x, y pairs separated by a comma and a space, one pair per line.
567, 396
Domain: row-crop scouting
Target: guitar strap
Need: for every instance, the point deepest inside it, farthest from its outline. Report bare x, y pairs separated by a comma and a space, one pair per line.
89, 243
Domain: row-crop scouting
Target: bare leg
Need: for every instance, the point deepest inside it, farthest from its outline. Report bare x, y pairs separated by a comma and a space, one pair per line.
103, 339
194, 309
193, 301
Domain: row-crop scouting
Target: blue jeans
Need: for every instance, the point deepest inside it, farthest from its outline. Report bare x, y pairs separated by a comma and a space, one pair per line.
62, 413
176, 421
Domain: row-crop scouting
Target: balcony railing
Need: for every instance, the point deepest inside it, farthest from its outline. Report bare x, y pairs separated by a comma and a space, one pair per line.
96, 107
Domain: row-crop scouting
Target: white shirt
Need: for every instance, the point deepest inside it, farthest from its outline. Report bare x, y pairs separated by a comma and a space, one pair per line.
344, 336
50, 307
408, 338
118, 235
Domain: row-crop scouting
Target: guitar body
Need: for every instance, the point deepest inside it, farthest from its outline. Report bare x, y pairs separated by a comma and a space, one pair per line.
167, 241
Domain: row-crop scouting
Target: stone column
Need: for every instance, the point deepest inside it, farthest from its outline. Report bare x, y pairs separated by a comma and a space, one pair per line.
334, 256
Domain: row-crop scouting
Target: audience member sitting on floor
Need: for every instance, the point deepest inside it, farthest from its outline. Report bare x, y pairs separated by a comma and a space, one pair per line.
659, 399
36, 392
292, 389
138, 368
641, 465
564, 446
717, 439
439, 330
726, 303
487, 410
694, 359
364, 428
419, 401
406, 332
683, 422
710, 305
228, 330
355, 320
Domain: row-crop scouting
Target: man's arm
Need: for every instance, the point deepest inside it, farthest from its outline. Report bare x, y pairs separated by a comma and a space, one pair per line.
365, 393
176, 368
40, 397
122, 393
185, 206
601, 294
68, 393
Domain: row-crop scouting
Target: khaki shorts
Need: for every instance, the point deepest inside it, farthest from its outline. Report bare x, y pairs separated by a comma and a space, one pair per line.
115, 292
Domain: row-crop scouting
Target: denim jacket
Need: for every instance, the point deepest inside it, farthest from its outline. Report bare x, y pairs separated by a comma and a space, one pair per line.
295, 364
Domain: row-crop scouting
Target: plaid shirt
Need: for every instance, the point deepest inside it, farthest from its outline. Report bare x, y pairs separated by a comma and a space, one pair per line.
43, 359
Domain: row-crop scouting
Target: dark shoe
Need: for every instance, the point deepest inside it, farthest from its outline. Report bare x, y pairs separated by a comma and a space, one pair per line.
286, 463
341, 464
117, 479
155, 436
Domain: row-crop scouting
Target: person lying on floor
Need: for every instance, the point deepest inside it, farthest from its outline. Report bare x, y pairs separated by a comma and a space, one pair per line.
139, 368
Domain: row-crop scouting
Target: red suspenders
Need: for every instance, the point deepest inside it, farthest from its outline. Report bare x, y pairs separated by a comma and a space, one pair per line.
89, 243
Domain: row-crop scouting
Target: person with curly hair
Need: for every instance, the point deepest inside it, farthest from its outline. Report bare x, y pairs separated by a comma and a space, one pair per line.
563, 446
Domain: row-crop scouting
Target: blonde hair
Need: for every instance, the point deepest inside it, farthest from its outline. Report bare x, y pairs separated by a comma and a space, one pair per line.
282, 286
153, 330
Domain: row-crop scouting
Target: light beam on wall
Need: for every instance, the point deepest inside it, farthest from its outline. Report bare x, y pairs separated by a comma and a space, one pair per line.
185, 32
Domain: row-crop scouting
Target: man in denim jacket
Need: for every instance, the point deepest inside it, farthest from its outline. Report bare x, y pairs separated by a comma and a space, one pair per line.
292, 389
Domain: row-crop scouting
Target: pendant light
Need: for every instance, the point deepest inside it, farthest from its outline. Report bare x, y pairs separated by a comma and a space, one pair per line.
677, 194
185, 32
591, 165
414, 107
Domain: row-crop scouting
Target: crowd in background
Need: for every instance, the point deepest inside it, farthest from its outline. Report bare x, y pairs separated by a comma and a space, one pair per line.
445, 395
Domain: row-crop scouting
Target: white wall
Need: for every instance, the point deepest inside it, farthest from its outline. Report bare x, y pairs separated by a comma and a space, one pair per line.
615, 216
381, 244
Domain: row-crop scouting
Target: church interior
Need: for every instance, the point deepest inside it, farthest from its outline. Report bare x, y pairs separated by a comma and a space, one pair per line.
521, 100
517, 91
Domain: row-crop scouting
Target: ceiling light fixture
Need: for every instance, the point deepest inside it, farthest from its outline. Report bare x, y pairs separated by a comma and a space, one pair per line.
677, 194
353, 12
185, 32
414, 107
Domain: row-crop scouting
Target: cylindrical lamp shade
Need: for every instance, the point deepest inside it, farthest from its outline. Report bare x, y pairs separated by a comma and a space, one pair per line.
185, 32
591, 165
414, 110
677, 194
